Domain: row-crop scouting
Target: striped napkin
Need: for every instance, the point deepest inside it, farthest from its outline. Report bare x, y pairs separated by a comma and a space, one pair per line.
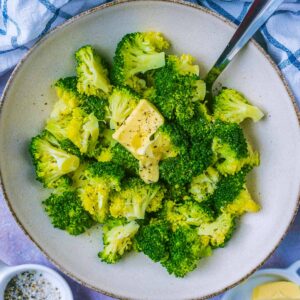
23, 22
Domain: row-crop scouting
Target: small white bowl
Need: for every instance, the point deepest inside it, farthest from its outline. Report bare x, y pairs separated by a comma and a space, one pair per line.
8, 272
244, 290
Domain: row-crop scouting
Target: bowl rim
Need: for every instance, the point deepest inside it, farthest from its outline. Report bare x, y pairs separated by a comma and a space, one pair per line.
89, 12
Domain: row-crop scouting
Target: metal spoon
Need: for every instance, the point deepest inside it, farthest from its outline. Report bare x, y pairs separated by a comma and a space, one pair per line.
256, 16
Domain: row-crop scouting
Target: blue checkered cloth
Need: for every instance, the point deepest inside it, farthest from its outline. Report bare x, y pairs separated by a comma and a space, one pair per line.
23, 22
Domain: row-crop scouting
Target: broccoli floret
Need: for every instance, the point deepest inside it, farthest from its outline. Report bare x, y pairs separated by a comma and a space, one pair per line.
181, 169
185, 251
242, 203
117, 239
122, 157
94, 183
177, 192
227, 189
153, 240
135, 199
121, 103
68, 97
68, 146
168, 141
219, 231
231, 149
203, 185
50, 161
184, 64
200, 125
92, 73
186, 213
232, 135
137, 53
79, 127
231, 106
176, 89
94, 105
176, 170
103, 150
66, 212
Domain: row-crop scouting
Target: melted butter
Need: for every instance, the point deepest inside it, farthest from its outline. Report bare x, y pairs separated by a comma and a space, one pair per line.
135, 136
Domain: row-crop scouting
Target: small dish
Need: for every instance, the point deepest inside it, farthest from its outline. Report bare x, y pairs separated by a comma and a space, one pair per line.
244, 290
8, 272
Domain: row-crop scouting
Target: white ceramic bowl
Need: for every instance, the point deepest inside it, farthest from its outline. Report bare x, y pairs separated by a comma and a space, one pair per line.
8, 272
275, 184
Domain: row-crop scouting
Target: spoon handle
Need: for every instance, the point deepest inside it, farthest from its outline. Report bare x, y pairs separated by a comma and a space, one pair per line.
256, 16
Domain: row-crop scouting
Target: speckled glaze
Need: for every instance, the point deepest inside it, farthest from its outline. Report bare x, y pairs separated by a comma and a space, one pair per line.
28, 99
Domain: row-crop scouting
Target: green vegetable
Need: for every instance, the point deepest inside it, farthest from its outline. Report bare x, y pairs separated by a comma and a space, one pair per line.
50, 161
92, 73
153, 240
186, 213
137, 53
117, 239
185, 251
219, 231
177, 87
181, 169
66, 212
204, 184
94, 182
79, 127
232, 106
121, 103
135, 198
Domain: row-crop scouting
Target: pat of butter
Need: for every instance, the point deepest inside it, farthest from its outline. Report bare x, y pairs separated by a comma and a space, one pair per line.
281, 290
137, 129
135, 135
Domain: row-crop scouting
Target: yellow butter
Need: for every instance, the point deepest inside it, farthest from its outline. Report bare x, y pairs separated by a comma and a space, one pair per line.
135, 134
280, 290
137, 129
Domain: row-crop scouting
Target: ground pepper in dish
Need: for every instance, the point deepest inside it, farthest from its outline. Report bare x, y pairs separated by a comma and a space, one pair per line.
30, 285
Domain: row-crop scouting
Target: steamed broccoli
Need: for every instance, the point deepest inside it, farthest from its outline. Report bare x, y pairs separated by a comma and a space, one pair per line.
219, 231
204, 184
66, 212
185, 251
152, 239
232, 106
137, 53
94, 183
181, 169
117, 239
226, 190
231, 149
176, 88
168, 141
242, 203
122, 157
68, 97
80, 128
200, 126
121, 103
50, 161
135, 198
92, 73
186, 213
